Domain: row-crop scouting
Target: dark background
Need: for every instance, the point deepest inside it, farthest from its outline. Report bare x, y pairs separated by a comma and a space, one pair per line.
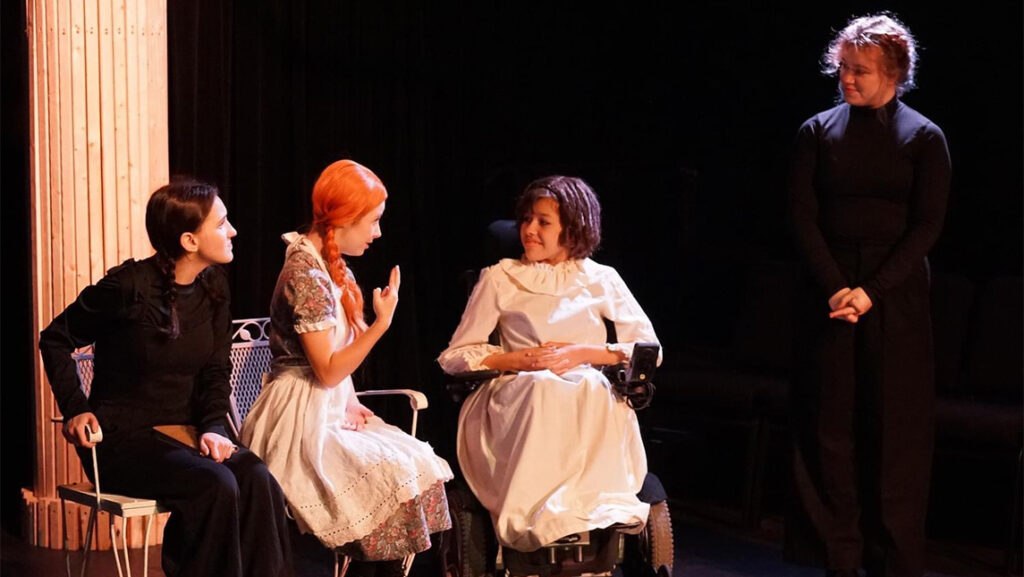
681, 119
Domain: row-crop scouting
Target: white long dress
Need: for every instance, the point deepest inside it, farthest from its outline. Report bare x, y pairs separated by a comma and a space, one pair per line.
549, 455
341, 485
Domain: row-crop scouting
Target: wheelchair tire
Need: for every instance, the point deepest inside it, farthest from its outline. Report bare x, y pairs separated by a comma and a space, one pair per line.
651, 553
469, 547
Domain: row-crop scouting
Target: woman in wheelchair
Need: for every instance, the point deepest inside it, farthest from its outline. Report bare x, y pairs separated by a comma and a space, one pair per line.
548, 448
351, 479
161, 331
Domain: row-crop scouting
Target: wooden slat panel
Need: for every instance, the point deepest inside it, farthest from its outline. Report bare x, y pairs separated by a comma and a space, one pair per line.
98, 126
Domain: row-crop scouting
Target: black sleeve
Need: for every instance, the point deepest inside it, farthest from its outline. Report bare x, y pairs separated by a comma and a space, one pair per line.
803, 213
927, 212
213, 383
96, 309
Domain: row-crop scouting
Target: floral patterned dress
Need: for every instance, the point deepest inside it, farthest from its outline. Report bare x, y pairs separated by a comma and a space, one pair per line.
376, 493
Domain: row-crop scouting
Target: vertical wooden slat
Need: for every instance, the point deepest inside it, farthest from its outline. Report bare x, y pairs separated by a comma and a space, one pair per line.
79, 143
68, 204
120, 97
134, 124
107, 153
156, 51
142, 113
80, 151
94, 138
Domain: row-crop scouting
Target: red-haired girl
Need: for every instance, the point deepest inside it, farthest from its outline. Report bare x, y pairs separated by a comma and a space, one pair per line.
350, 478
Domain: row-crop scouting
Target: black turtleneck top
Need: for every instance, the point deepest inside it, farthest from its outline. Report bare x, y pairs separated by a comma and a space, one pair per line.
863, 178
142, 377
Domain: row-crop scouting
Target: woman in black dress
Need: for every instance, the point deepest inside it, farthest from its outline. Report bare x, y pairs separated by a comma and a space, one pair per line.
867, 198
161, 330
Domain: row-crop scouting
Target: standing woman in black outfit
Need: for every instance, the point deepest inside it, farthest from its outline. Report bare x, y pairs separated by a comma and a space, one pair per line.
867, 197
161, 330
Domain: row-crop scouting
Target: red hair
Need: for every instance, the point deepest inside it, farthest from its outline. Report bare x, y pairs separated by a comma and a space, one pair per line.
344, 193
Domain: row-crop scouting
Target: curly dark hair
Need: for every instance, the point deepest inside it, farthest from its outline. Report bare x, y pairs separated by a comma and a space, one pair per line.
578, 210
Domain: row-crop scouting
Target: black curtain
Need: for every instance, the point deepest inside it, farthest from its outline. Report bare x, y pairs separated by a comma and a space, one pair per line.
681, 122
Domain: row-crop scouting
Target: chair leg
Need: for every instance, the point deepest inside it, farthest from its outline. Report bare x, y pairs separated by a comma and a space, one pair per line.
407, 564
124, 546
145, 547
113, 546
340, 564
87, 546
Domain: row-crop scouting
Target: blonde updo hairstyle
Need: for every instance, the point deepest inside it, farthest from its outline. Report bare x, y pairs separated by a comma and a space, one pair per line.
899, 49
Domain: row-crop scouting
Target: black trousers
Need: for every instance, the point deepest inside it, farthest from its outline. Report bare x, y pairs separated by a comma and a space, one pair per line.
227, 519
862, 410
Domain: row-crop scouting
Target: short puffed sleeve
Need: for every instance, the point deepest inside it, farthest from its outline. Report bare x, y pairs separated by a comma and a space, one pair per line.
309, 292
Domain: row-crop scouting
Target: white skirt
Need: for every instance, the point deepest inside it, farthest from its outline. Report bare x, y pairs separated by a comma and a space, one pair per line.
340, 484
549, 456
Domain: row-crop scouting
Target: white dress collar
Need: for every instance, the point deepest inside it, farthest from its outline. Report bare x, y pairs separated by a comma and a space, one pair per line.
543, 278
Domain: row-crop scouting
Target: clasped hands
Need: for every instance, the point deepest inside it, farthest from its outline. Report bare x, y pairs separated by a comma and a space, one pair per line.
559, 358
849, 304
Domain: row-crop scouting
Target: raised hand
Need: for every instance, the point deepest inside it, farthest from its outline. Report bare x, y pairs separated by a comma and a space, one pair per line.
386, 300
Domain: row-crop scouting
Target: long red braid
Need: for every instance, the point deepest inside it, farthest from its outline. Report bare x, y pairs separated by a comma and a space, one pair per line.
344, 193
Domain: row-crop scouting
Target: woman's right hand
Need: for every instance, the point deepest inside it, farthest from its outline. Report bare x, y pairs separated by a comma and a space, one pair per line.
386, 300
74, 429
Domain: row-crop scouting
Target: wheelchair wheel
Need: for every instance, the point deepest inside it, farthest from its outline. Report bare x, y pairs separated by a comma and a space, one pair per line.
470, 549
650, 554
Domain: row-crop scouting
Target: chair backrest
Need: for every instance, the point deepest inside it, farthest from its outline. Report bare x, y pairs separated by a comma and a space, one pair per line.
250, 360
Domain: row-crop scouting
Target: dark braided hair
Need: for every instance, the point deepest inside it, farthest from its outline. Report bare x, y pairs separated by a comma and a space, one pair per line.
173, 210
578, 210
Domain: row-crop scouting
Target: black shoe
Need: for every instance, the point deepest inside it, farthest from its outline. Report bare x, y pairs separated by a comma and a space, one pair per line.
841, 573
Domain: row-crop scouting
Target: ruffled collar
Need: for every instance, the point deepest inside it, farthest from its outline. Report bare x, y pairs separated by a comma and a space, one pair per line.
543, 278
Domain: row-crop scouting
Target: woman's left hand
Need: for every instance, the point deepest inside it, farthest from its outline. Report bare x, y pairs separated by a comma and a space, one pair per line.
217, 447
855, 303
356, 416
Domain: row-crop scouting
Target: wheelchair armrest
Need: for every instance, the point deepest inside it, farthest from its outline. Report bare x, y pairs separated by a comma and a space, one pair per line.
417, 401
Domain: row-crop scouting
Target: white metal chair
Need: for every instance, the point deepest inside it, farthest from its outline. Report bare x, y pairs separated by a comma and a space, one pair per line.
249, 337
250, 365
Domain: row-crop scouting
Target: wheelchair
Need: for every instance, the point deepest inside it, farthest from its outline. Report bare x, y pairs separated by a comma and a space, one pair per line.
471, 549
